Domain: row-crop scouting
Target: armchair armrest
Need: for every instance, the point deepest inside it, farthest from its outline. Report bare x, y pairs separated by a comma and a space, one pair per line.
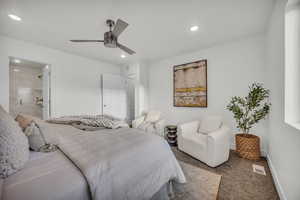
218, 145
159, 126
138, 121
220, 134
189, 127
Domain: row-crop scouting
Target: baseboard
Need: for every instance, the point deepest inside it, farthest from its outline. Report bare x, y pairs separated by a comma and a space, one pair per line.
276, 180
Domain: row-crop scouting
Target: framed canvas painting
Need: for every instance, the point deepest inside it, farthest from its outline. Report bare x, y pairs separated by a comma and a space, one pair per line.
190, 84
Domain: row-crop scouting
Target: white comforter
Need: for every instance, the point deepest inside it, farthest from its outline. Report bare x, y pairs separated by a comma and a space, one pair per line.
121, 164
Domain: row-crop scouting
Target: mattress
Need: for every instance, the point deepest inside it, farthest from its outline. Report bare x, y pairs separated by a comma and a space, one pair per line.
46, 176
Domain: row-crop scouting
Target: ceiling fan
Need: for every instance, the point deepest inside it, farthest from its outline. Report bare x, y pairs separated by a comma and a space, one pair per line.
111, 37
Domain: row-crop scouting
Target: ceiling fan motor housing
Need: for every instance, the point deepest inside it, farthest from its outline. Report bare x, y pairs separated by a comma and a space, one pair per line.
110, 40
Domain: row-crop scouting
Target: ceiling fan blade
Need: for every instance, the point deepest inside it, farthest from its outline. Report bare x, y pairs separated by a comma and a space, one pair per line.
87, 40
126, 49
119, 27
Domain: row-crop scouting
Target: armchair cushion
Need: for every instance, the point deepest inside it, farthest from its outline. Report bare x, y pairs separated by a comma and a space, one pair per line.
150, 122
160, 126
138, 121
152, 116
189, 127
210, 124
199, 139
146, 126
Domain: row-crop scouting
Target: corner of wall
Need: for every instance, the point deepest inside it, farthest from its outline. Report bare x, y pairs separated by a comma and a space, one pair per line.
275, 179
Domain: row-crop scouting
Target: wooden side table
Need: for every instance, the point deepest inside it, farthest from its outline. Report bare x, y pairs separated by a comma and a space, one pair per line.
171, 134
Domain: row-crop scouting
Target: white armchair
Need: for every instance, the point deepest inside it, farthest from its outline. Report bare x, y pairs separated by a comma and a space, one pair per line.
208, 140
150, 122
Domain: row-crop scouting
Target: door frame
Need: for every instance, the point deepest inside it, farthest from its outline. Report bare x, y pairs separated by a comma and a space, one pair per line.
49, 82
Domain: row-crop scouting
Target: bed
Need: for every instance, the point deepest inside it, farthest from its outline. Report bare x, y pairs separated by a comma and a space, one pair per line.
46, 176
108, 164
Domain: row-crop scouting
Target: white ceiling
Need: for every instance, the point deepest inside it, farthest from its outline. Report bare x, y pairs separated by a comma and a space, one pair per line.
158, 28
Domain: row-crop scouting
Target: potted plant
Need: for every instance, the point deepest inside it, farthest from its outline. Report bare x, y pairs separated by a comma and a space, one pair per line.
247, 111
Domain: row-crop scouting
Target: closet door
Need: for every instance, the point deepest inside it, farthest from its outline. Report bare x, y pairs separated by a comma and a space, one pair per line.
114, 97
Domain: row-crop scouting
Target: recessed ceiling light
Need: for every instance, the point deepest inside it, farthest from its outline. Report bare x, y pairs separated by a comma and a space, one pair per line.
16, 70
194, 28
15, 17
123, 56
17, 61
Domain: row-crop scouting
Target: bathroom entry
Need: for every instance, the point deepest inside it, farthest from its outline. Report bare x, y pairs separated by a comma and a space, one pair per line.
29, 88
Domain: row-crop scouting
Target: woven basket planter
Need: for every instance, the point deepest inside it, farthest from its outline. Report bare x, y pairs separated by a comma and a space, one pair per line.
248, 146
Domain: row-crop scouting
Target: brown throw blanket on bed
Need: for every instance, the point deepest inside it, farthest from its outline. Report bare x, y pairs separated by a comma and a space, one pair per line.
90, 120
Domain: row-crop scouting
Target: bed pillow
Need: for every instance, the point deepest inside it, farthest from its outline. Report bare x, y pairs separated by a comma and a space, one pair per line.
210, 124
152, 116
14, 148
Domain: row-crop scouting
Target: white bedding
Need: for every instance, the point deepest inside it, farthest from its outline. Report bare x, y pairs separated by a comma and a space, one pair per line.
46, 176
101, 165
123, 163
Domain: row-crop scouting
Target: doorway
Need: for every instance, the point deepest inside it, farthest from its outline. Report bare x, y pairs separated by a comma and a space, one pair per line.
29, 88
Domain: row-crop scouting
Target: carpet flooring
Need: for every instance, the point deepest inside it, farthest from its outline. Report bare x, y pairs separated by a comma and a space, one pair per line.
201, 184
238, 182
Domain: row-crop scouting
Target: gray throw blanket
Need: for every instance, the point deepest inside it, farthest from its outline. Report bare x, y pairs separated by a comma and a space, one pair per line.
90, 120
120, 163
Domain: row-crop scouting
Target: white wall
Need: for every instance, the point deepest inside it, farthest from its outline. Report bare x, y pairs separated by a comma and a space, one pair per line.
75, 81
138, 72
231, 68
292, 63
284, 141
143, 88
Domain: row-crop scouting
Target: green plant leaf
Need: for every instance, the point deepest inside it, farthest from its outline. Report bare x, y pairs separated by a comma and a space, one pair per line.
249, 110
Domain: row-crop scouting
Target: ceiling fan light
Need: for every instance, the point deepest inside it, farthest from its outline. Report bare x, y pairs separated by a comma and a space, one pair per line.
14, 17
194, 28
17, 61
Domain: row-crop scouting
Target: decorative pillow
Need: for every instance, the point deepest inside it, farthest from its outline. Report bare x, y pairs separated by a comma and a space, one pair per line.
152, 116
38, 140
35, 138
24, 121
146, 126
14, 149
210, 124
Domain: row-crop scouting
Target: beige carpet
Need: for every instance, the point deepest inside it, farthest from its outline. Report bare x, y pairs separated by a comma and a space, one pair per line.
201, 184
238, 182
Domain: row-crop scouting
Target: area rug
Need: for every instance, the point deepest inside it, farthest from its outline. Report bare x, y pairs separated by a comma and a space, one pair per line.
201, 184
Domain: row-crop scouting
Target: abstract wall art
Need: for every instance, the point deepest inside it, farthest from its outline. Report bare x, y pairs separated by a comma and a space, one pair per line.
190, 84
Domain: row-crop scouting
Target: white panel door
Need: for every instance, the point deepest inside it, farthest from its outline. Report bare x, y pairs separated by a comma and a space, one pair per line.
114, 97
